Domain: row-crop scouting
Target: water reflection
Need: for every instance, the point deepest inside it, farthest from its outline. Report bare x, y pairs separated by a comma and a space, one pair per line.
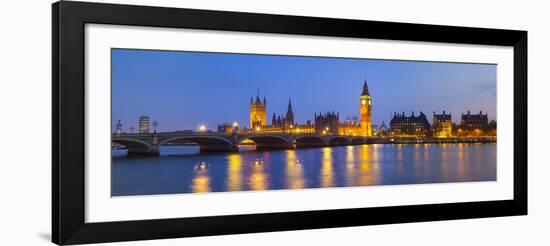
294, 171
201, 182
258, 177
234, 175
366, 176
350, 165
460, 159
184, 171
326, 176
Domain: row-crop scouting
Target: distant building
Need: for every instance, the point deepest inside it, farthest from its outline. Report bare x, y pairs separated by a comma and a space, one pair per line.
442, 126
474, 121
350, 126
144, 124
286, 121
289, 114
118, 128
382, 130
307, 128
226, 128
409, 126
326, 123
257, 113
475, 125
279, 123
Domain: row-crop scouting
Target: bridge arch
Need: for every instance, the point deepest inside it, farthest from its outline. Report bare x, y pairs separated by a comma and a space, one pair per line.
358, 141
339, 140
133, 144
266, 141
310, 141
264, 137
206, 143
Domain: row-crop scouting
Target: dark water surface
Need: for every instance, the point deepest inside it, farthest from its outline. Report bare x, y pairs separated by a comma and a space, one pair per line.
180, 169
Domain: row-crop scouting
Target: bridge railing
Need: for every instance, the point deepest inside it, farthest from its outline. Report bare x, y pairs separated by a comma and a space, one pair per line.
221, 134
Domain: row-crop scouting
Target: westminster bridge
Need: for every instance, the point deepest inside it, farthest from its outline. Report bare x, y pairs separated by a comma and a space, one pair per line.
148, 144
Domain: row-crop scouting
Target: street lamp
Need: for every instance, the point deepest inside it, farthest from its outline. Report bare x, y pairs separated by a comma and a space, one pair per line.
202, 128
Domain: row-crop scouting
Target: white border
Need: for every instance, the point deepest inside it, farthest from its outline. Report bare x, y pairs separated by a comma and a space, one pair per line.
101, 207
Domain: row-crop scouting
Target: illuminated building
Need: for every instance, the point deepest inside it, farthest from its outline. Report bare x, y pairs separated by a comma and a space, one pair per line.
285, 121
409, 126
144, 124
363, 127
306, 128
289, 114
475, 125
279, 124
365, 119
226, 128
257, 113
349, 127
382, 130
326, 123
474, 121
442, 125
351, 120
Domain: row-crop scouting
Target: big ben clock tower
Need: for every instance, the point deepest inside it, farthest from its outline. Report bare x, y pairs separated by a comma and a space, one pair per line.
365, 111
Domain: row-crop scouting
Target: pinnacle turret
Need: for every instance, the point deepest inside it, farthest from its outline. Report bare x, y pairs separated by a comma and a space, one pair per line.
365, 89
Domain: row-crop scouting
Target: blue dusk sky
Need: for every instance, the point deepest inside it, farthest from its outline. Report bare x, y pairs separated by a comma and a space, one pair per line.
182, 90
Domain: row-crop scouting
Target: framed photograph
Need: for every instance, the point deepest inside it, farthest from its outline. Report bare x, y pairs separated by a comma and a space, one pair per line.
175, 122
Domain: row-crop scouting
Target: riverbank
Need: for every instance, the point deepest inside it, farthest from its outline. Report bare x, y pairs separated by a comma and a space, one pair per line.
432, 140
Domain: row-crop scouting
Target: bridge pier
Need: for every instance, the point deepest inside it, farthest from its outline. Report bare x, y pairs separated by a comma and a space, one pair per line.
140, 151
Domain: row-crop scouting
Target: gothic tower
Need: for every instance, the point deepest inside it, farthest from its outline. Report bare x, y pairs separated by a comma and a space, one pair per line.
257, 112
289, 114
365, 119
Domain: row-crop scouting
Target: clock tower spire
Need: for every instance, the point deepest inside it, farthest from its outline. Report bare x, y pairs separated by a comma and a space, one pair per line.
365, 119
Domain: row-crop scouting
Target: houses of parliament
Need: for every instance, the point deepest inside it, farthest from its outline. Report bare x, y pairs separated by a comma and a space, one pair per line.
401, 126
324, 123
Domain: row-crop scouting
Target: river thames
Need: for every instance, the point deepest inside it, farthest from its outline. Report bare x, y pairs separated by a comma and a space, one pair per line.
181, 169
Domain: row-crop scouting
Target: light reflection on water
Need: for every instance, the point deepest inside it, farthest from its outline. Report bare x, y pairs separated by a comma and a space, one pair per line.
327, 174
234, 176
180, 169
294, 171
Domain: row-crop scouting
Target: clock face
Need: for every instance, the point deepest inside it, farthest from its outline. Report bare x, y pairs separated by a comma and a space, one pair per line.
363, 102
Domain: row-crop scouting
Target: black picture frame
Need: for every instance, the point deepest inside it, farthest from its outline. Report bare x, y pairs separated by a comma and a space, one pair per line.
68, 172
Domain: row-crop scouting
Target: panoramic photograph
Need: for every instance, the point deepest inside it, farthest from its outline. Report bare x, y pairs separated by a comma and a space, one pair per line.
200, 122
